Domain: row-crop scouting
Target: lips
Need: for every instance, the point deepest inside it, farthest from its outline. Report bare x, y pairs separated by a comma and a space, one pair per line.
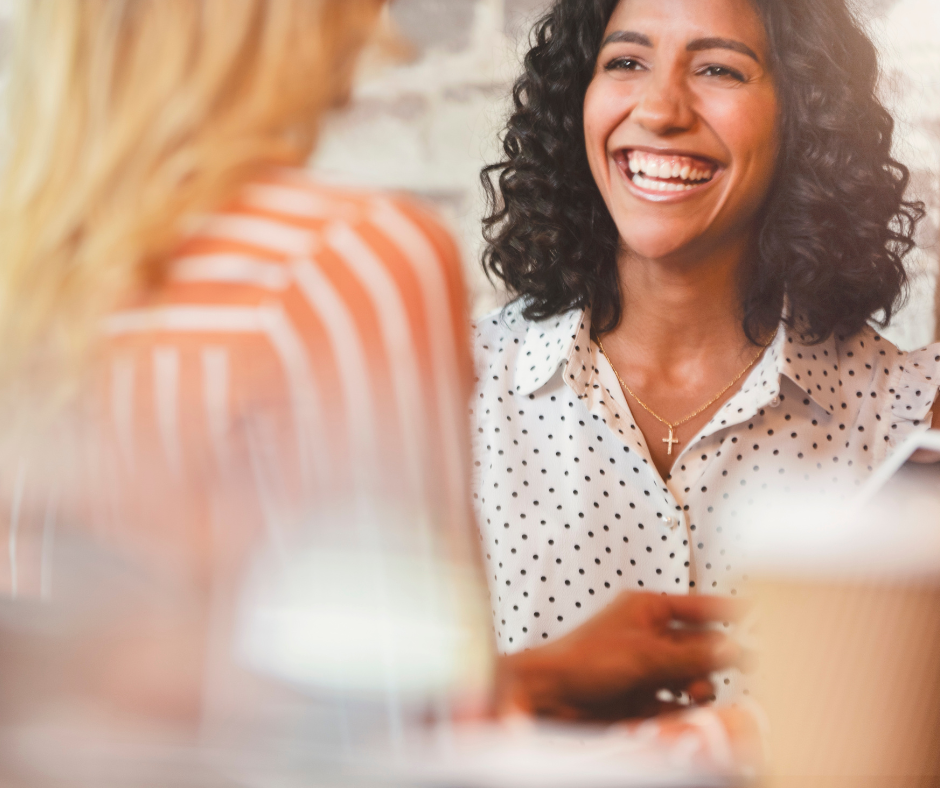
666, 172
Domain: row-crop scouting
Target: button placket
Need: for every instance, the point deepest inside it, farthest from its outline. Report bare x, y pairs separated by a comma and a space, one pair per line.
601, 402
670, 514
679, 546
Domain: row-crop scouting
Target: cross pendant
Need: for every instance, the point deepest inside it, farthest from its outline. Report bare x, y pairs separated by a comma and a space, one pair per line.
670, 442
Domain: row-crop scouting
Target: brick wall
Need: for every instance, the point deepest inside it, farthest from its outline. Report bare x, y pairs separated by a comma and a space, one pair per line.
908, 34
430, 125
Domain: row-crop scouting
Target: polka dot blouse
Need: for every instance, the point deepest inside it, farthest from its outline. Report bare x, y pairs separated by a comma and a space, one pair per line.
572, 509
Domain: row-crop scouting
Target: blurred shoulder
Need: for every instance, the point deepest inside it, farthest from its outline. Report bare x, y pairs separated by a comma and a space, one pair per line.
285, 257
285, 234
296, 196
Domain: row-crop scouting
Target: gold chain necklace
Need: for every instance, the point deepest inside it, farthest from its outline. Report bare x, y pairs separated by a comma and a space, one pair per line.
673, 426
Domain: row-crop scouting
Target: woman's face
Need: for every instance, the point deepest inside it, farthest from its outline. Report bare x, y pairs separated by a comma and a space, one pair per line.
680, 123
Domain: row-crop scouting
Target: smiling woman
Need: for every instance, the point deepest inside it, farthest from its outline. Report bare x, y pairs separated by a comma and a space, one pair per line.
667, 190
834, 176
700, 215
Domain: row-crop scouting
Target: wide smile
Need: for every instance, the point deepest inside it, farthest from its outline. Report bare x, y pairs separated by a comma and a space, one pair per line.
666, 176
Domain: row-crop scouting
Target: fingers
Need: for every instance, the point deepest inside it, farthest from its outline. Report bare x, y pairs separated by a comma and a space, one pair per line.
695, 692
706, 609
639, 704
701, 691
690, 656
647, 609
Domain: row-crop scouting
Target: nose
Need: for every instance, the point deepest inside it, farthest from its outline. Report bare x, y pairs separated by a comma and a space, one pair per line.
664, 108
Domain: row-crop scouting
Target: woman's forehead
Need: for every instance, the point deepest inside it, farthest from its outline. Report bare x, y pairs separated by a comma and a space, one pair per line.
690, 19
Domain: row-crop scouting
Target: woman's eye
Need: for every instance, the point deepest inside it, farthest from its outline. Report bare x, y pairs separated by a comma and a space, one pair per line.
722, 72
623, 64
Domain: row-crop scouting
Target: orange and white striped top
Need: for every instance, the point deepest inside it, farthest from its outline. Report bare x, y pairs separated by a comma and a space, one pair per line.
308, 349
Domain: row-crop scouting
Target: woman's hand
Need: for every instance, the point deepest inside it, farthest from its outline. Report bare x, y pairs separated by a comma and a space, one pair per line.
613, 666
924, 456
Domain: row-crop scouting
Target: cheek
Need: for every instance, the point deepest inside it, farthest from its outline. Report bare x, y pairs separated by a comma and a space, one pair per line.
604, 110
752, 136
766, 146
593, 119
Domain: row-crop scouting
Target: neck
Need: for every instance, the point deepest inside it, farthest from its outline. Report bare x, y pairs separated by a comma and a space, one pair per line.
675, 310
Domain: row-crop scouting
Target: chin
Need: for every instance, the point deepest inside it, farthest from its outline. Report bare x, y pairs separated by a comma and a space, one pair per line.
655, 246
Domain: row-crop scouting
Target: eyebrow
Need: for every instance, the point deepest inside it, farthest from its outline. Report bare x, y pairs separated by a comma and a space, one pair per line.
627, 37
701, 44
698, 45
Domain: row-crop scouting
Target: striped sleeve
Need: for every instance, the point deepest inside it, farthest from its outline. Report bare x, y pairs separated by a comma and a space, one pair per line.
308, 347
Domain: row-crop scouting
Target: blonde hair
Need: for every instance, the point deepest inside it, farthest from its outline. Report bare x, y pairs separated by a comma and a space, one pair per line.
124, 117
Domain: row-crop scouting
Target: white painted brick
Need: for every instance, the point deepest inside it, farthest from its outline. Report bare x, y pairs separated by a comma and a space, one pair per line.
429, 126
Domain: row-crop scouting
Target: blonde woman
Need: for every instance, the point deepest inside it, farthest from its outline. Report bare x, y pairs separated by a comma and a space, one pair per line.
209, 358
163, 249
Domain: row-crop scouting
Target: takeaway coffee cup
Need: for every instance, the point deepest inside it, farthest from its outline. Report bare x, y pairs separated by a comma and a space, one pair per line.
848, 631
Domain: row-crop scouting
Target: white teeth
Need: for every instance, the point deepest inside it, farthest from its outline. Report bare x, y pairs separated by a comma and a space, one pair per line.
659, 185
666, 168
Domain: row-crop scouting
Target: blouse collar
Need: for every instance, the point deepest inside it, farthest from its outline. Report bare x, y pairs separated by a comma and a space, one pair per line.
565, 340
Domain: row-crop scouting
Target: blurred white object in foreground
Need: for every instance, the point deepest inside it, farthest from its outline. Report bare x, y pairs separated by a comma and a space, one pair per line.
385, 610
523, 754
890, 529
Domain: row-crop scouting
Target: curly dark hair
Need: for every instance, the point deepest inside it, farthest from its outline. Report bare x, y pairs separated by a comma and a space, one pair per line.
832, 234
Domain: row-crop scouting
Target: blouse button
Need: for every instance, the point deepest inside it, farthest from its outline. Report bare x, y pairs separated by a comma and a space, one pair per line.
671, 522
775, 402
